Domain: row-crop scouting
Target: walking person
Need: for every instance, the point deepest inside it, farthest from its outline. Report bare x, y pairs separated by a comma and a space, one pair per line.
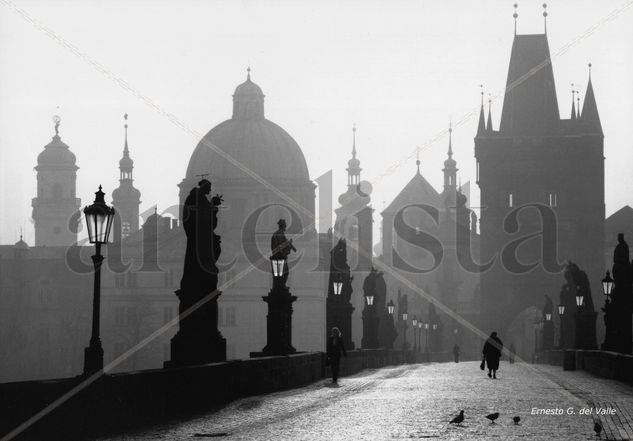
456, 352
335, 348
492, 354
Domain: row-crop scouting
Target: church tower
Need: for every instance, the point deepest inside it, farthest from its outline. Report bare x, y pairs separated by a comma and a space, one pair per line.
126, 199
55, 209
546, 171
450, 166
354, 217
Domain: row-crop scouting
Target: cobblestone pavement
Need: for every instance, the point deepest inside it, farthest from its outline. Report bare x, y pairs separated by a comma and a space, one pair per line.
417, 402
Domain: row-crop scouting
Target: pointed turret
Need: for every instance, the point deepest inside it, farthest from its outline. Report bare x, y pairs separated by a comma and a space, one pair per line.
450, 165
489, 123
353, 165
573, 103
481, 128
126, 198
590, 118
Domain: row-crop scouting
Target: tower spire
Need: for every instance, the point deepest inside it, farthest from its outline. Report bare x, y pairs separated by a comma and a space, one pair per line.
578, 106
482, 121
248, 73
573, 105
489, 123
417, 162
515, 15
353, 165
590, 117
126, 151
450, 139
545, 17
354, 140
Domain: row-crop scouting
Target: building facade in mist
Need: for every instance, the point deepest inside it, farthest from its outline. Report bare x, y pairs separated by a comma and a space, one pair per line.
535, 159
425, 235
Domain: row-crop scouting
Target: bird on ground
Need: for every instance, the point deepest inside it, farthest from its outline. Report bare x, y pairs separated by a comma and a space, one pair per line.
458, 419
516, 419
493, 416
597, 427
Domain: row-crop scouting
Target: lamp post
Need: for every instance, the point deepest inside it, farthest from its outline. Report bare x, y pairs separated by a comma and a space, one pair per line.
426, 347
561, 313
609, 337
391, 307
99, 219
414, 322
405, 315
420, 335
548, 331
370, 324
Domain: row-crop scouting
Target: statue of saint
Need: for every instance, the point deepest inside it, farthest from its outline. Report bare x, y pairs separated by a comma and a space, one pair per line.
621, 265
203, 247
281, 247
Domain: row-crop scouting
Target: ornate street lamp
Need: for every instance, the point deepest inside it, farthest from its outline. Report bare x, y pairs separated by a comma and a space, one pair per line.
99, 219
405, 315
580, 300
607, 285
338, 286
278, 267
391, 307
426, 331
607, 288
419, 335
548, 316
561, 313
414, 322
370, 300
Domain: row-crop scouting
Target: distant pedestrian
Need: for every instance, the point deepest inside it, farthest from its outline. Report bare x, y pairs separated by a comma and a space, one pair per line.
492, 353
456, 352
512, 352
335, 348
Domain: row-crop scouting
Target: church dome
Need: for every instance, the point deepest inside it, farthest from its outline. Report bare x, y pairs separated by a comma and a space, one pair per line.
248, 138
21, 244
56, 153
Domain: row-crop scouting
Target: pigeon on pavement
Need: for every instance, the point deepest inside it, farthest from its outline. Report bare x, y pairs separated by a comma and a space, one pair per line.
493, 416
458, 419
516, 419
597, 427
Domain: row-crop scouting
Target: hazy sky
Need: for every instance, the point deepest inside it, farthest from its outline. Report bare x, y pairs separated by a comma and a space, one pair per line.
399, 70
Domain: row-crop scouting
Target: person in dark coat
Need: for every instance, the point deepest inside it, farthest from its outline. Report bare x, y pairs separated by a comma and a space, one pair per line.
335, 349
492, 354
456, 352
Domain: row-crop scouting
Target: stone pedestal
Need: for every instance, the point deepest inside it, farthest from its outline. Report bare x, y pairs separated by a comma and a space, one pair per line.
339, 314
370, 328
279, 322
198, 341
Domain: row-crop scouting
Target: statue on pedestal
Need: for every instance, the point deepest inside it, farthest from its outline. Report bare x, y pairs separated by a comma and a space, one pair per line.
198, 340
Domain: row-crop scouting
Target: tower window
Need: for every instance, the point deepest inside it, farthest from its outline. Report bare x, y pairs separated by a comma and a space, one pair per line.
553, 200
477, 172
125, 230
510, 200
